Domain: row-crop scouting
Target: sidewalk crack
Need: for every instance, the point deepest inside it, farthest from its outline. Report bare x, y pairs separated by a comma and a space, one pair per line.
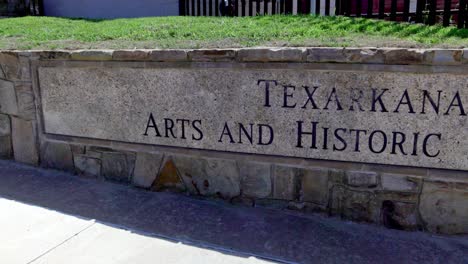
61, 243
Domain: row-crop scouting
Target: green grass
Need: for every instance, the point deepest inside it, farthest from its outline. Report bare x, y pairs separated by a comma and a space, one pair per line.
211, 32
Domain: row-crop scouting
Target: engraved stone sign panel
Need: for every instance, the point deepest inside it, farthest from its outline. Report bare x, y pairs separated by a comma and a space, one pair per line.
400, 118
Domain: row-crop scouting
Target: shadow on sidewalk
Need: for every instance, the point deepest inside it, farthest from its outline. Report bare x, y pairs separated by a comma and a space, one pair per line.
259, 232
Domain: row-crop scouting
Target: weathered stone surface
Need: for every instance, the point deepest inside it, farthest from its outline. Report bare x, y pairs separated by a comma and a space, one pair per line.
211, 177
404, 56
326, 55
146, 169
8, 103
354, 205
255, 179
56, 155
400, 183
25, 68
26, 105
91, 55
87, 166
446, 57
314, 187
10, 66
399, 215
54, 55
168, 55
24, 141
336, 177
5, 125
359, 55
168, 178
77, 149
285, 183
465, 56
361, 178
345, 55
127, 107
211, 55
6, 150
115, 166
273, 54
130, 55
443, 208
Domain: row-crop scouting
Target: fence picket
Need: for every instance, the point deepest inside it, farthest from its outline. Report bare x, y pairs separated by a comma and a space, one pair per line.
406, 10
337, 7
358, 8
381, 9
461, 13
393, 10
447, 14
370, 6
432, 12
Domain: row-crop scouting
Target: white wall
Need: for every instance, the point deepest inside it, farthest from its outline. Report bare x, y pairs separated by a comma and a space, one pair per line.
111, 8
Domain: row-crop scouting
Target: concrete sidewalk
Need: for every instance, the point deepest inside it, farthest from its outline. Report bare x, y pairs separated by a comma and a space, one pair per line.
53, 217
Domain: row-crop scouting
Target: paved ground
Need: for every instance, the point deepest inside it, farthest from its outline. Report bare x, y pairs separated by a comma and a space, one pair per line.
52, 217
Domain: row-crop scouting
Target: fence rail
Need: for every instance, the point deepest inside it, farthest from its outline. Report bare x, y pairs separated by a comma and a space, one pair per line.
445, 12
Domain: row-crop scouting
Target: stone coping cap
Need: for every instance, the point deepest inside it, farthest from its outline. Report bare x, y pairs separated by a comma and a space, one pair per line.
369, 55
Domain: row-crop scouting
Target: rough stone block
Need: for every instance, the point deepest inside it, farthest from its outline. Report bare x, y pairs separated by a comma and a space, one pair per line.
326, 55
57, 156
6, 150
130, 55
26, 106
10, 65
77, 149
87, 166
54, 55
361, 178
25, 68
168, 55
5, 125
255, 179
212, 55
361, 55
404, 56
115, 166
146, 169
91, 55
445, 57
8, 102
465, 56
209, 176
399, 183
399, 215
273, 54
285, 183
314, 186
24, 141
168, 178
353, 205
336, 177
444, 209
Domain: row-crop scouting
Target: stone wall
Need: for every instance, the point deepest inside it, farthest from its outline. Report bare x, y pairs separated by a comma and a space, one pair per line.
401, 197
